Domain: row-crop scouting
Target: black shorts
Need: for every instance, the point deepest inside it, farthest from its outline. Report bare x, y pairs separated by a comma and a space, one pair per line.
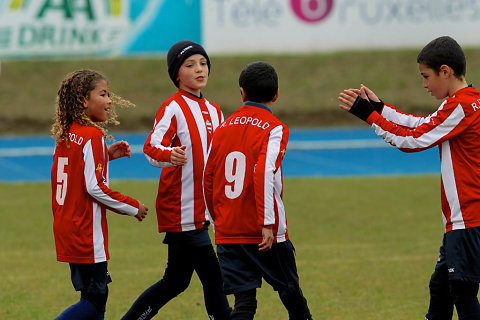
91, 278
460, 253
243, 266
195, 238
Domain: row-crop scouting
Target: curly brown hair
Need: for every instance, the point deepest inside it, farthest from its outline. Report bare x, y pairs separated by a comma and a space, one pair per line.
71, 96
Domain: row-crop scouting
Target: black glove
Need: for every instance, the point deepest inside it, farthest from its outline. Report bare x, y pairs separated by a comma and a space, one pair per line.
378, 106
362, 108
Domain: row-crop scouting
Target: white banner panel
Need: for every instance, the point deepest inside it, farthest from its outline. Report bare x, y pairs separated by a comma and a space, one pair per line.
242, 26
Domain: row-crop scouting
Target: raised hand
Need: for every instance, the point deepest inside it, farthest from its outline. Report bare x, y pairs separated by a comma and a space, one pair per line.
356, 102
119, 149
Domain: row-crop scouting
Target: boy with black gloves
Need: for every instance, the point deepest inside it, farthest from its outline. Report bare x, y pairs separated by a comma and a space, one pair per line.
455, 128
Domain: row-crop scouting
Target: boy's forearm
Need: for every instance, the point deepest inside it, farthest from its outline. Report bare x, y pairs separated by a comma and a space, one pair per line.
159, 154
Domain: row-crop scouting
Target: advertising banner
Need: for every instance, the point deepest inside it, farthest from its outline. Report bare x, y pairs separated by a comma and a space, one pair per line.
101, 28
86, 28
235, 26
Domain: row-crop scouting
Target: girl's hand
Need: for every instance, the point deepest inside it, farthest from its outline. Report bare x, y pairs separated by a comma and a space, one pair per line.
119, 149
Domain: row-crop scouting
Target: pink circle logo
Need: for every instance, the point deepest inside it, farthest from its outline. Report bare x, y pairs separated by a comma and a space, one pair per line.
311, 10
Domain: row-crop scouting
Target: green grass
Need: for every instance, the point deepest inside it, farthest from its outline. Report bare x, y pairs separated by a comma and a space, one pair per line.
365, 250
309, 86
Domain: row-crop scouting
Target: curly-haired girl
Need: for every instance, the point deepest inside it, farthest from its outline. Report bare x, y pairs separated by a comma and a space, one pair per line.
80, 191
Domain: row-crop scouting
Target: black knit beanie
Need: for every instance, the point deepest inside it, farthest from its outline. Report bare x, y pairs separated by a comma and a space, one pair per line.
181, 51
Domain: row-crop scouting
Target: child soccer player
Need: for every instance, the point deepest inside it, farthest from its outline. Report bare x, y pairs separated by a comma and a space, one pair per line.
178, 143
243, 191
455, 128
80, 192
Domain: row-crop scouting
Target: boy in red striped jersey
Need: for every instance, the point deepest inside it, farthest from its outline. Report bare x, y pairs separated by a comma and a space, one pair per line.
178, 144
243, 187
80, 191
455, 128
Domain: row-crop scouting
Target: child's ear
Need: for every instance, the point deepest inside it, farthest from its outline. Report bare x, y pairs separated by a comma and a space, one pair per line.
244, 95
276, 96
446, 71
84, 102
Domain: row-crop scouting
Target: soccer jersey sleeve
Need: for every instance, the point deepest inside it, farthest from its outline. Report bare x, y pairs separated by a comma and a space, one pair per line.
394, 115
269, 161
95, 157
158, 146
448, 121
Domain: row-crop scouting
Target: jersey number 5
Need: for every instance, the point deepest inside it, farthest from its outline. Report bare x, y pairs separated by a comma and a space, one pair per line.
61, 180
235, 164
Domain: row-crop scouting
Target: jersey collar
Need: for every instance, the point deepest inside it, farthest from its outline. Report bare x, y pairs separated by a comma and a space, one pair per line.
191, 95
258, 105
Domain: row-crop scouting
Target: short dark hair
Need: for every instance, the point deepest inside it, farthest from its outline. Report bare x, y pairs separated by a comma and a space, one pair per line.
259, 81
444, 51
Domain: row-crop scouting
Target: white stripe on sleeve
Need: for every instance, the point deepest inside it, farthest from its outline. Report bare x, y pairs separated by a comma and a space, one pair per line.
273, 149
282, 219
160, 128
94, 190
428, 138
406, 120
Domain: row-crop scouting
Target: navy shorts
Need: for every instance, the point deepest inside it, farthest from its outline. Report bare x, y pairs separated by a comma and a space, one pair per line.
243, 266
195, 238
91, 278
460, 254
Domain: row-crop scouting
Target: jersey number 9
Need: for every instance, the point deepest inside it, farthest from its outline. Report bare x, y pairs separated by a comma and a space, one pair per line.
235, 164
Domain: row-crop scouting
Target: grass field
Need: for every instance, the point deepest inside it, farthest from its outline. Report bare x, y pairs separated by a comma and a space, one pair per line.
365, 250
309, 86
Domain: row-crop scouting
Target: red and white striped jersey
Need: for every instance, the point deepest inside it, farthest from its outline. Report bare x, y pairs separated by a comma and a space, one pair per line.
243, 182
184, 119
455, 128
80, 197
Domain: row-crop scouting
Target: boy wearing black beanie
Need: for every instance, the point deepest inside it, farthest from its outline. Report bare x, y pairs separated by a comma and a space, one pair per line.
180, 139
181, 51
